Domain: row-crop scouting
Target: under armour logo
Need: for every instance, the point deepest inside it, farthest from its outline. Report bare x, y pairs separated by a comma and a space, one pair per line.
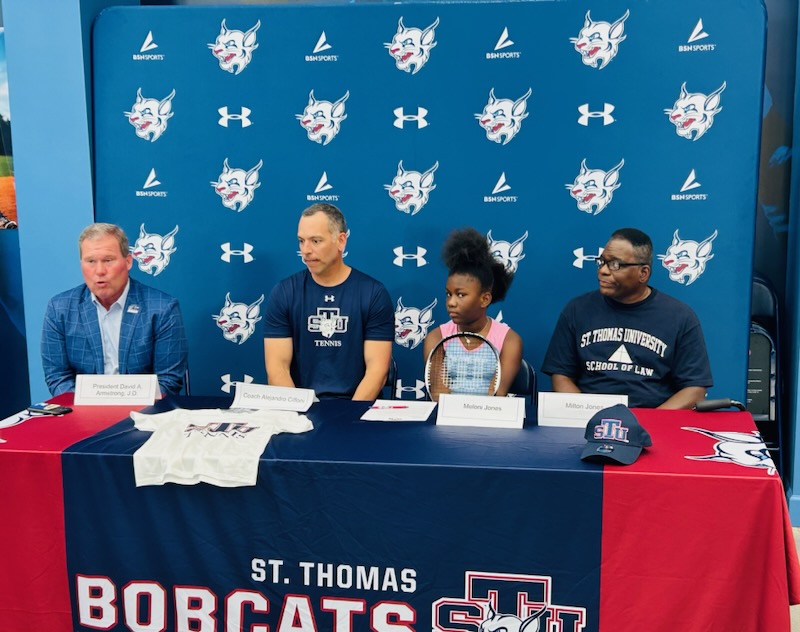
151, 181
228, 252
401, 117
242, 116
586, 114
322, 44
501, 185
323, 184
330, 298
691, 182
417, 389
504, 41
698, 33
227, 383
580, 258
403, 256
149, 44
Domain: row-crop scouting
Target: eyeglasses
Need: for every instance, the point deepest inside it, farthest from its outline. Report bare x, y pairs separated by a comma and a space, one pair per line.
614, 265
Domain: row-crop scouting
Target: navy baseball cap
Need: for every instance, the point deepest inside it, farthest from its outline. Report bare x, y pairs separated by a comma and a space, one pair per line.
614, 435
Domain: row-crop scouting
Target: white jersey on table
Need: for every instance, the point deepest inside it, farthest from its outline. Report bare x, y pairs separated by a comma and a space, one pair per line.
220, 447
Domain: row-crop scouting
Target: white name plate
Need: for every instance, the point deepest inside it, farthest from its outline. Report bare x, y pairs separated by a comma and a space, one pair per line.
573, 410
481, 411
272, 397
110, 390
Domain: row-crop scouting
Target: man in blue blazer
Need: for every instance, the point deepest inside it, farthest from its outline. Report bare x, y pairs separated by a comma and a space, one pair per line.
112, 324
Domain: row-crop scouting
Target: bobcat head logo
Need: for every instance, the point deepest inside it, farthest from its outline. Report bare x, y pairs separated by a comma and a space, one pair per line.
410, 189
411, 47
234, 49
322, 120
237, 187
598, 42
411, 324
152, 251
741, 448
238, 320
693, 113
149, 116
507, 253
502, 118
593, 189
686, 259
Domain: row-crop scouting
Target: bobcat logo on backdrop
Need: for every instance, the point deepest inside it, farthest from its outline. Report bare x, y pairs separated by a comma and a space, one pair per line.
598, 42
411, 323
234, 49
593, 189
149, 116
322, 120
152, 251
507, 253
237, 187
410, 189
693, 113
740, 448
238, 320
686, 259
502, 118
411, 47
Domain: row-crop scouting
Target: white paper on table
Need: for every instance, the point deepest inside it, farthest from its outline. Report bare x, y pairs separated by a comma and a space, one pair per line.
398, 410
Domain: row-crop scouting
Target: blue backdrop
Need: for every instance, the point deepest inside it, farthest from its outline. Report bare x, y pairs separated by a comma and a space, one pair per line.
541, 124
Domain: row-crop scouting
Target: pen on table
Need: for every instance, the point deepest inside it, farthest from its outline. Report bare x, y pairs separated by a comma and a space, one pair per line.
386, 407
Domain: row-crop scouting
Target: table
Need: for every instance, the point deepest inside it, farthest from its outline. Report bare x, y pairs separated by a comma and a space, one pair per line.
396, 527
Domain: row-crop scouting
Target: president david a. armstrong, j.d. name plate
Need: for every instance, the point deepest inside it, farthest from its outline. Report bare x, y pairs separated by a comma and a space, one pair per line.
108, 390
480, 411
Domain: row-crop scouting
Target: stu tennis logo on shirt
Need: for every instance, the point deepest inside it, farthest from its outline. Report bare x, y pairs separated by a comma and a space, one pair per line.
228, 429
327, 321
500, 601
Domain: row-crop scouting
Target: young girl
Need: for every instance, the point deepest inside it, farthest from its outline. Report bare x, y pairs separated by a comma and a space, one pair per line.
475, 281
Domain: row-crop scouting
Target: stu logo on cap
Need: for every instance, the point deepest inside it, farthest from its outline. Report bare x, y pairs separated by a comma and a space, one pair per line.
615, 435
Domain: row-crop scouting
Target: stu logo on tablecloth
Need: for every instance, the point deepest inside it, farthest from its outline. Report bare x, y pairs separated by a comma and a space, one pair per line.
741, 448
502, 602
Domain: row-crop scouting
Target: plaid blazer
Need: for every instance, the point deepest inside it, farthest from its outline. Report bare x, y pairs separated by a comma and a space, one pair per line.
152, 338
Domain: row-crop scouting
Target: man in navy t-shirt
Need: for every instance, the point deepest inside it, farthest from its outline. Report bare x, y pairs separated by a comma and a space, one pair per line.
328, 327
628, 338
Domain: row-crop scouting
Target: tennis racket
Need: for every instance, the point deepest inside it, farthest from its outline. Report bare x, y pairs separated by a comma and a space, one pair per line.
464, 363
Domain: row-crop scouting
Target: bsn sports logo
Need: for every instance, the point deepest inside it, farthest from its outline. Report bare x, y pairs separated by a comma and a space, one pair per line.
417, 257
234, 49
225, 117
149, 116
238, 320
689, 184
152, 251
150, 182
243, 252
501, 186
322, 120
593, 189
740, 448
144, 50
686, 259
411, 47
598, 42
321, 46
504, 602
319, 194
327, 321
237, 187
693, 113
697, 34
502, 118
411, 323
504, 41
401, 118
410, 190
509, 253
227, 383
